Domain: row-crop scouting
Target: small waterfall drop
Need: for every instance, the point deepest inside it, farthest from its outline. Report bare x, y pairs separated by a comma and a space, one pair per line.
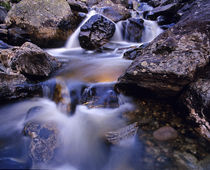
151, 31
118, 32
73, 41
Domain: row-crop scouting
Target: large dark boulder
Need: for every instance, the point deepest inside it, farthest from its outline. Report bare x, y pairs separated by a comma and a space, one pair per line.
197, 101
46, 22
33, 62
13, 87
96, 32
168, 11
174, 59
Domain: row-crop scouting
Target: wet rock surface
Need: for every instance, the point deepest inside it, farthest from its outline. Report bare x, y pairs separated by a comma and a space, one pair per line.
33, 62
42, 20
197, 102
44, 140
14, 87
173, 60
100, 95
96, 32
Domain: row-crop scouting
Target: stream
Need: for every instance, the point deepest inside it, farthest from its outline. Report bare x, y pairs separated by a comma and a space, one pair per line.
75, 141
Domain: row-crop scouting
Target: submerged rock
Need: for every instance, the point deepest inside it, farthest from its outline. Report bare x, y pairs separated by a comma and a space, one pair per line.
197, 102
96, 32
43, 21
165, 133
100, 95
173, 60
44, 140
33, 62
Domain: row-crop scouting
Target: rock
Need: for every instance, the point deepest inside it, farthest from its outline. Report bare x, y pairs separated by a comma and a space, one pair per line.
126, 132
114, 12
14, 87
3, 14
131, 54
127, 3
168, 11
132, 29
44, 140
43, 21
33, 62
61, 97
96, 32
100, 95
17, 36
197, 102
4, 45
165, 133
4, 34
78, 6
173, 60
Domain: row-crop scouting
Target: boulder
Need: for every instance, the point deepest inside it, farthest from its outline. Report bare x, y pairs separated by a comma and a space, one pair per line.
132, 29
3, 14
33, 62
173, 60
43, 21
96, 32
169, 11
197, 102
13, 87
115, 12
77, 5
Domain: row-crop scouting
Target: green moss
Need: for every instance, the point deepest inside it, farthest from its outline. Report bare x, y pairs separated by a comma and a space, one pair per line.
6, 5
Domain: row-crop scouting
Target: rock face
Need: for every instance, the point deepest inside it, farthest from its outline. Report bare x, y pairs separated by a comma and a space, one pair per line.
96, 32
13, 87
174, 59
44, 21
3, 14
197, 102
115, 12
33, 62
132, 29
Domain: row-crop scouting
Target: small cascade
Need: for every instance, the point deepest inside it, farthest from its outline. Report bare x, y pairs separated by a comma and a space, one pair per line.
151, 31
73, 41
118, 32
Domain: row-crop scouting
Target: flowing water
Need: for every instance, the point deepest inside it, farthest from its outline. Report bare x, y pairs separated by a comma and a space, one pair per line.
79, 137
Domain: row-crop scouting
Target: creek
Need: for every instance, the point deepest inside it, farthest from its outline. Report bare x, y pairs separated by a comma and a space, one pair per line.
78, 141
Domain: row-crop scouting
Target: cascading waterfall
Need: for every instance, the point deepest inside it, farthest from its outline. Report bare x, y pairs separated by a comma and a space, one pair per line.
73, 41
151, 30
81, 135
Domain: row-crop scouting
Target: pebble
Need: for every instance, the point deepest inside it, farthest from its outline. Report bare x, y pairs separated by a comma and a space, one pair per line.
165, 133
